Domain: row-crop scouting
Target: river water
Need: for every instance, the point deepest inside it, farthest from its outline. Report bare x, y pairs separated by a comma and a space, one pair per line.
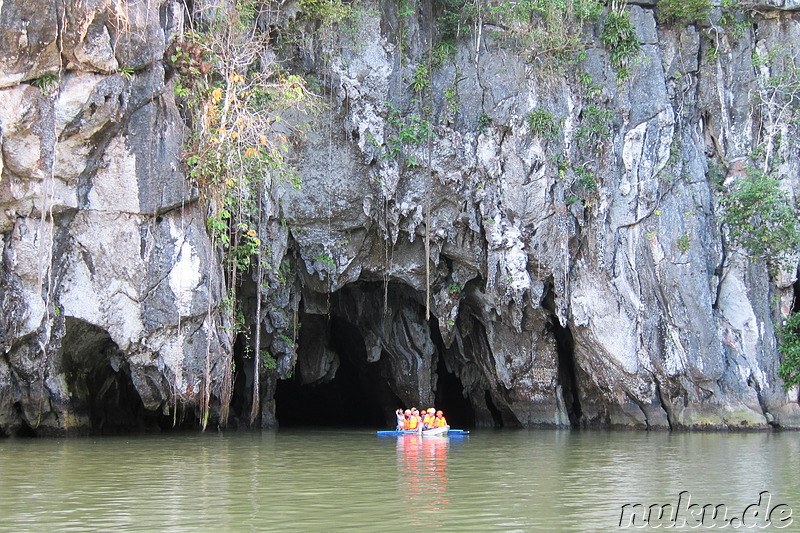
313, 480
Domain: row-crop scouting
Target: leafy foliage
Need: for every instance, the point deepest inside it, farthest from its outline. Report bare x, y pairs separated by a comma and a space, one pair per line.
735, 17
777, 97
586, 179
244, 113
550, 28
234, 101
455, 288
761, 217
404, 132
323, 257
684, 10
484, 121
620, 39
455, 16
421, 79
789, 347
46, 83
268, 361
683, 243
543, 124
551, 31
451, 97
326, 11
595, 125
579, 182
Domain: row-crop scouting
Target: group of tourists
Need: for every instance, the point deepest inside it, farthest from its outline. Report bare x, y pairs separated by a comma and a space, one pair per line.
415, 420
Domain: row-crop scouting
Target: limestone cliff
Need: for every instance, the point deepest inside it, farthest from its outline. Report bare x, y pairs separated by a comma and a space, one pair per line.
578, 268
108, 276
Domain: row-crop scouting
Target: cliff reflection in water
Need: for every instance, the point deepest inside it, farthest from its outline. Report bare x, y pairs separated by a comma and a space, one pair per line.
422, 465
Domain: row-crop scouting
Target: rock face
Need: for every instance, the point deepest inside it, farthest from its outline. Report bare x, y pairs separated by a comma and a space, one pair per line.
581, 278
108, 274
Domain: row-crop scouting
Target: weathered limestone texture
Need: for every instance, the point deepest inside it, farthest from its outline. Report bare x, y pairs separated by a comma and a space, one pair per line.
109, 285
556, 310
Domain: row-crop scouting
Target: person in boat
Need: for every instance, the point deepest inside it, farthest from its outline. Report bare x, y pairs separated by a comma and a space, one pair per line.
427, 420
440, 420
406, 420
401, 419
413, 421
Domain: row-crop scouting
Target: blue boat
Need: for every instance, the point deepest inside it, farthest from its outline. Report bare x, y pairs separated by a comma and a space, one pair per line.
443, 432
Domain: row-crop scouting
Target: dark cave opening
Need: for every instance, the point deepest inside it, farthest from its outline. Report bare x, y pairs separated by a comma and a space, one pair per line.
24, 430
497, 416
567, 376
242, 396
356, 396
449, 395
796, 287
360, 392
100, 381
567, 367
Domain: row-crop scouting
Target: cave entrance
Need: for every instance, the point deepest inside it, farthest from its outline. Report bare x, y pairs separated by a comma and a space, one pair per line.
567, 376
567, 367
355, 396
450, 396
100, 382
342, 381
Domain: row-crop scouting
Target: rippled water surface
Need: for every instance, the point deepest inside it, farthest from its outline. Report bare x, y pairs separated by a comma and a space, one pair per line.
353, 480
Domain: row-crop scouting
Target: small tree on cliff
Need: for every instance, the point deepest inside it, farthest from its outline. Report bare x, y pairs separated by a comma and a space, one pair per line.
242, 108
789, 347
761, 217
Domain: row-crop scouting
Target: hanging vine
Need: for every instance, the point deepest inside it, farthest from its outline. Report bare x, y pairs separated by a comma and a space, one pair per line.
242, 110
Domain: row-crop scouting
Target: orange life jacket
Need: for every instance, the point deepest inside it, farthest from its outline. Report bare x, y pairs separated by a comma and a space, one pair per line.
440, 422
412, 422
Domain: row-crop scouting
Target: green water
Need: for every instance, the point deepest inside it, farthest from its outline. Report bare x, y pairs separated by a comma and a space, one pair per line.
355, 481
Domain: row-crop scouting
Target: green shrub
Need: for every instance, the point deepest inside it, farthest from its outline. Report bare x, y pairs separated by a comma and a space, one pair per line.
761, 217
684, 10
455, 15
620, 39
421, 79
595, 125
484, 121
586, 180
451, 97
552, 33
455, 288
46, 83
735, 18
323, 257
789, 347
683, 243
543, 124
326, 11
443, 52
404, 132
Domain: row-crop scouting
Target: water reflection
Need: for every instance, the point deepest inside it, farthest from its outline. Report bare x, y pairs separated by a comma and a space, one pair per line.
422, 469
